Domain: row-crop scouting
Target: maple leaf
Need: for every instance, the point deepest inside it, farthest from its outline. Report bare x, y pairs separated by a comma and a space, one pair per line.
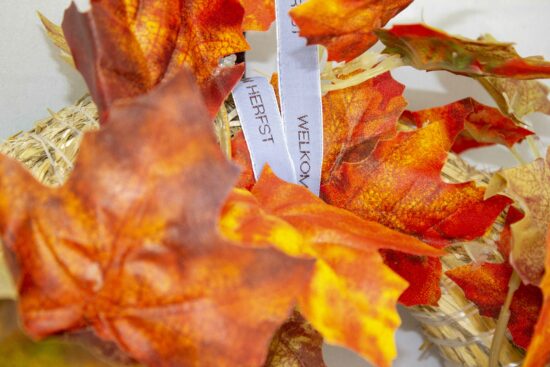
344, 27
130, 245
486, 285
538, 354
352, 295
428, 48
483, 125
529, 186
258, 14
399, 185
355, 118
125, 48
296, 344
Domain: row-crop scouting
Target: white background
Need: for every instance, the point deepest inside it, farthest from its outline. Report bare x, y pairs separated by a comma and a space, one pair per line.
33, 78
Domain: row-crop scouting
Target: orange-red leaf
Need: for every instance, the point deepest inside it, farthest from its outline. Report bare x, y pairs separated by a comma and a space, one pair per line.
356, 118
296, 344
487, 286
399, 185
130, 245
125, 48
483, 125
428, 48
258, 14
352, 296
538, 354
344, 27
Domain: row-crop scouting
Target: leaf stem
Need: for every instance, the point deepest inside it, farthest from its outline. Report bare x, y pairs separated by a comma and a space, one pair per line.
516, 155
502, 323
533, 146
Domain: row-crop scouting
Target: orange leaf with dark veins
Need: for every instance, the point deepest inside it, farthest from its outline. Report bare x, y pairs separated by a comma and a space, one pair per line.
130, 247
258, 14
352, 296
428, 48
487, 286
538, 354
355, 118
344, 27
125, 48
399, 185
483, 125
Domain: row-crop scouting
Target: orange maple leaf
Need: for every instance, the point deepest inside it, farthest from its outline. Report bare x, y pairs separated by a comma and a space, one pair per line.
130, 245
487, 286
428, 48
352, 296
399, 185
344, 27
125, 48
483, 125
355, 118
538, 354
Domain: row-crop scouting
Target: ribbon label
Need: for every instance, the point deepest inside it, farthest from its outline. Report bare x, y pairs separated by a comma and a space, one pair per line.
300, 91
263, 129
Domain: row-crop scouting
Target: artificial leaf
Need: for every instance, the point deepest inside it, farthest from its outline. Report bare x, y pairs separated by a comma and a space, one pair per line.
344, 27
538, 354
529, 186
399, 185
125, 48
258, 14
130, 245
483, 125
487, 286
352, 296
356, 117
428, 48
296, 344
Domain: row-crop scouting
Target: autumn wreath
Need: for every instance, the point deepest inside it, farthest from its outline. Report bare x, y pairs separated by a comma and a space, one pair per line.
143, 242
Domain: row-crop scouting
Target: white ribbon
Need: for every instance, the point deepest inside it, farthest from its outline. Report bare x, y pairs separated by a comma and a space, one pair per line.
262, 126
300, 91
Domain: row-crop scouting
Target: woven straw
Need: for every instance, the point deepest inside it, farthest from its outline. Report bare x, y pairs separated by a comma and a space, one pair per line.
462, 336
